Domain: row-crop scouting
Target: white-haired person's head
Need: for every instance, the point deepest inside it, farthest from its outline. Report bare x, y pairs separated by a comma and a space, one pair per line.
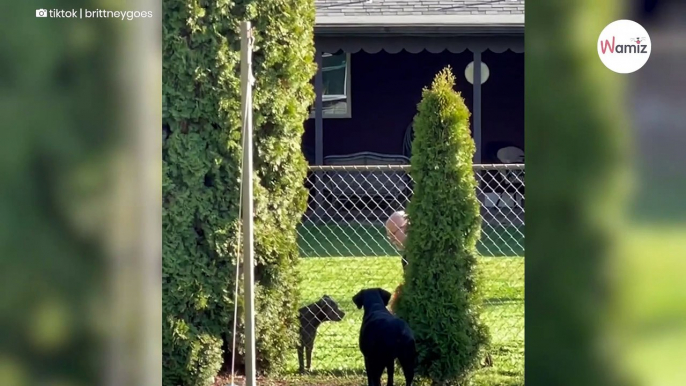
396, 228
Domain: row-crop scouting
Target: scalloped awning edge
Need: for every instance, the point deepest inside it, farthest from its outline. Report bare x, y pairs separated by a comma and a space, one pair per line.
415, 44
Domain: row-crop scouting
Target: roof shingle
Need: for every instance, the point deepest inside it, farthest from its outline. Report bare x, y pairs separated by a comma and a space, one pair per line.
345, 8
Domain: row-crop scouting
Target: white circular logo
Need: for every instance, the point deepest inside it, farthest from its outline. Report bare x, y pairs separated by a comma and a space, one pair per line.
624, 46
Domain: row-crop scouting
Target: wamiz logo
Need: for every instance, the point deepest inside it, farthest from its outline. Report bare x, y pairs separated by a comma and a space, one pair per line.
624, 46
635, 48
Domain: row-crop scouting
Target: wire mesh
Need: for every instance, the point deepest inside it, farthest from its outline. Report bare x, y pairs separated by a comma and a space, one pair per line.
344, 248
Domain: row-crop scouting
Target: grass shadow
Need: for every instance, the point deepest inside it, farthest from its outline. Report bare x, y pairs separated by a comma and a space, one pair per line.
338, 373
496, 301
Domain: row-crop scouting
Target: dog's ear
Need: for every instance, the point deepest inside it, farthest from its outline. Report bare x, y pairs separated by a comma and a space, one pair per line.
325, 302
359, 299
385, 296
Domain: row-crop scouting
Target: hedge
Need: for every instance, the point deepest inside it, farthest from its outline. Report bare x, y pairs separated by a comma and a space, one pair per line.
440, 300
201, 154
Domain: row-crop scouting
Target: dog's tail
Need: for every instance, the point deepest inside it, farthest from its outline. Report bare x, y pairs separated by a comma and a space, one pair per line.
408, 359
403, 333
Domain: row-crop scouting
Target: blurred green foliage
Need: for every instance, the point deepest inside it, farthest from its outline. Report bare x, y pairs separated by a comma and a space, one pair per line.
201, 174
440, 300
577, 164
59, 135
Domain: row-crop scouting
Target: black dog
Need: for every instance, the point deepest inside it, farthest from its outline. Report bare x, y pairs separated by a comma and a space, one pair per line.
383, 338
311, 317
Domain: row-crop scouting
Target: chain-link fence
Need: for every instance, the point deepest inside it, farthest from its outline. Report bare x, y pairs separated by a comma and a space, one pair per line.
344, 248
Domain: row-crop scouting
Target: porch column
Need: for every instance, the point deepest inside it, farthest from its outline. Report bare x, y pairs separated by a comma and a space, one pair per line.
318, 112
319, 201
477, 106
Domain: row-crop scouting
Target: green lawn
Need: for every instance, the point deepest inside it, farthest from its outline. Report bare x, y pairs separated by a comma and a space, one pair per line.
336, 357
339, 260
333, 240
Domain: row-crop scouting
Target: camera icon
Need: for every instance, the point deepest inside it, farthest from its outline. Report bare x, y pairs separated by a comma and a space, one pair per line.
41, 13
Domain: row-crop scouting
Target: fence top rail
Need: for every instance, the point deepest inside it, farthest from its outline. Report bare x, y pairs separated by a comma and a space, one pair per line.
404, 168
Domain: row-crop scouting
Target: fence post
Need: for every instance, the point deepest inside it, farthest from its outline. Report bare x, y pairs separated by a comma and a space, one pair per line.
248, 252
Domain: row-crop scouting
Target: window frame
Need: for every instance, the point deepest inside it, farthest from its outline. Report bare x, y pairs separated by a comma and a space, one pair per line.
348, 99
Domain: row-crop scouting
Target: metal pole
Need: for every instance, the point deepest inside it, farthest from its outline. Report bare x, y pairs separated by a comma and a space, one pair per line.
248, 252
476, 102
319, 111
319, 200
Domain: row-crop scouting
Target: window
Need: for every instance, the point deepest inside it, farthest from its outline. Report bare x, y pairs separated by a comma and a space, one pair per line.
336, 84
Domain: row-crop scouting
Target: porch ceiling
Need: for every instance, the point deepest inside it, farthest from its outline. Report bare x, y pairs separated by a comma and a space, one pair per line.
420, 25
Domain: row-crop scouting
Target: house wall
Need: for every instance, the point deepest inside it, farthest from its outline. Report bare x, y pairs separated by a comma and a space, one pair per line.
502, 104
386, 89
